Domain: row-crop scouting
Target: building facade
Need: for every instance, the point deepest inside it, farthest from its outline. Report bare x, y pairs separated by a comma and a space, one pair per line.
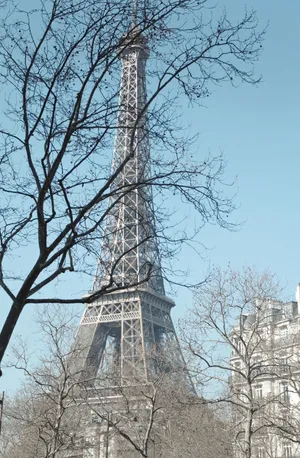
265, 381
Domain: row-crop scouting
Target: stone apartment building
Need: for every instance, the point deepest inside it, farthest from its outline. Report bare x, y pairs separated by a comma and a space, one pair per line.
265, 382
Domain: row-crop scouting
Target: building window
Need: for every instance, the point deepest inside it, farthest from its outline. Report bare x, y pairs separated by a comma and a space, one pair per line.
261, 452
258, 391
284, 392
283, 365
240, 347
287, 450
237, 373
234, 345
237, 367
283, 331
257, 366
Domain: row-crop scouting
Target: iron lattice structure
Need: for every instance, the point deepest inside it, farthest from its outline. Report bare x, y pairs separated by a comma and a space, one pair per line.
130, 253
128, 335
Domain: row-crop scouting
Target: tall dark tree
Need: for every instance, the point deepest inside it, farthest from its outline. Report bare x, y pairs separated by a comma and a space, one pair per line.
59, 71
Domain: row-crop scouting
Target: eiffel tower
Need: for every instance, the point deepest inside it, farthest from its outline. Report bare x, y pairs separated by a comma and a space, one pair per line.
127, 334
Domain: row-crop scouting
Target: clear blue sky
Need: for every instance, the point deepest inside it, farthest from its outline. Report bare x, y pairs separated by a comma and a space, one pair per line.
258, 131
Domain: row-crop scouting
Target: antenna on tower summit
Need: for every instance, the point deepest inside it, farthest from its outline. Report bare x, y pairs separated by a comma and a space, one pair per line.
134, 13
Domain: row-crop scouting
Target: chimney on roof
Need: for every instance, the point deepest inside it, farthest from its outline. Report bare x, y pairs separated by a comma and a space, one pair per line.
298, 295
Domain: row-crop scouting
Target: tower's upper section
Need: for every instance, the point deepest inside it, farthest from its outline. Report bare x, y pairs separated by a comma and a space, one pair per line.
135, 42
129, 254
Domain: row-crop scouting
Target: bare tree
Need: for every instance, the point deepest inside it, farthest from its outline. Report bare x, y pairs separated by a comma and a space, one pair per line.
197, 429
58, 413
39, 419
162, 419
59, 70
229, 334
